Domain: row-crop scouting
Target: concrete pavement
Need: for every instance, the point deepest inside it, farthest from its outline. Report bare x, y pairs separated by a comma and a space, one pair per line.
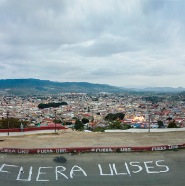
102, 169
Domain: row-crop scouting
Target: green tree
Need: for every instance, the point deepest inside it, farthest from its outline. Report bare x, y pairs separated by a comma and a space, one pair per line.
172, 125
99, 129
57, 121
126, 126
13, 123
78, 125
68, 123
48, 105
112, 117
160, 124
85, 120
109, 117
115, 125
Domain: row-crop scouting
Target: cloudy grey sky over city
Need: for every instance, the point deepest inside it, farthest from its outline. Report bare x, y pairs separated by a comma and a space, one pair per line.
117, 42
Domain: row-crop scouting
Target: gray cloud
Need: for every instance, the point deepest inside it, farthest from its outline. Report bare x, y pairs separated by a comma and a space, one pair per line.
105, 41
105, 46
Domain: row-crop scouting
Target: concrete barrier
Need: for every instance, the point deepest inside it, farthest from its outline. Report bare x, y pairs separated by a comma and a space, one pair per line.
32, 129
76, 150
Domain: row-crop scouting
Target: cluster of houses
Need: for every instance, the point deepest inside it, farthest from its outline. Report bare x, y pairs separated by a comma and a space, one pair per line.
139, 113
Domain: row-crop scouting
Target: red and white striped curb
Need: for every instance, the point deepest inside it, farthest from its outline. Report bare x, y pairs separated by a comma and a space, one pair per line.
33, 129
89, 149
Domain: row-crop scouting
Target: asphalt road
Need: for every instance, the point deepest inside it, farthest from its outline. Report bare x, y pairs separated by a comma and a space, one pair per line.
98, 169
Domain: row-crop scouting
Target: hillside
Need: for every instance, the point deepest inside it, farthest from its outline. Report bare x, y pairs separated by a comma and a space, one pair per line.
41, 87
38, 87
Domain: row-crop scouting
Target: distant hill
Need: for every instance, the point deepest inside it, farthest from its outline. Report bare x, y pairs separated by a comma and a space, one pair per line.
158, 89
40, 87
164, 89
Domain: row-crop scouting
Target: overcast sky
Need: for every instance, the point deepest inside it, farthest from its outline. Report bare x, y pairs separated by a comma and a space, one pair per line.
116, 42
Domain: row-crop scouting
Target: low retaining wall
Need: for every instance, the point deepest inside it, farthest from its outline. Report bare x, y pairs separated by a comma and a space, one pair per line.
32, 129
89, 149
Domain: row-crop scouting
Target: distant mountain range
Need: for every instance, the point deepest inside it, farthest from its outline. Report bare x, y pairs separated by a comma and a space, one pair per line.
160, 89
41, 87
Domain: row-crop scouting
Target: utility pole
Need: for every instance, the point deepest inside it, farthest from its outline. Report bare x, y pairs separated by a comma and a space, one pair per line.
149, 118
55, 121
7, 114
149, 122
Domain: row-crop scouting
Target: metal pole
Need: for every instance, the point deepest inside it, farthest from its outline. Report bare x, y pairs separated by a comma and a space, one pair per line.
8, 120
55, 121
149, 123
149, 115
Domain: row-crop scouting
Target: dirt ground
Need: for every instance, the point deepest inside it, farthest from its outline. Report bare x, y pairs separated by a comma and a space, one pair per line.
69, 138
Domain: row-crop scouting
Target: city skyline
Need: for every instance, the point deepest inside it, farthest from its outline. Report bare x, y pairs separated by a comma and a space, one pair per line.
132, 43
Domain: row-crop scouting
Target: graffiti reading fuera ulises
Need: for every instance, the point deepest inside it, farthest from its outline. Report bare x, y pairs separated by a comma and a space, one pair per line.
61, 172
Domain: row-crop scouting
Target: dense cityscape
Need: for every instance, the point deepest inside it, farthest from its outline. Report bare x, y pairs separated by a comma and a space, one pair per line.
94, 111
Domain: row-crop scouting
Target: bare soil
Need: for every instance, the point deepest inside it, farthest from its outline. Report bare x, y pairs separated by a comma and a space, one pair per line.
69, 138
